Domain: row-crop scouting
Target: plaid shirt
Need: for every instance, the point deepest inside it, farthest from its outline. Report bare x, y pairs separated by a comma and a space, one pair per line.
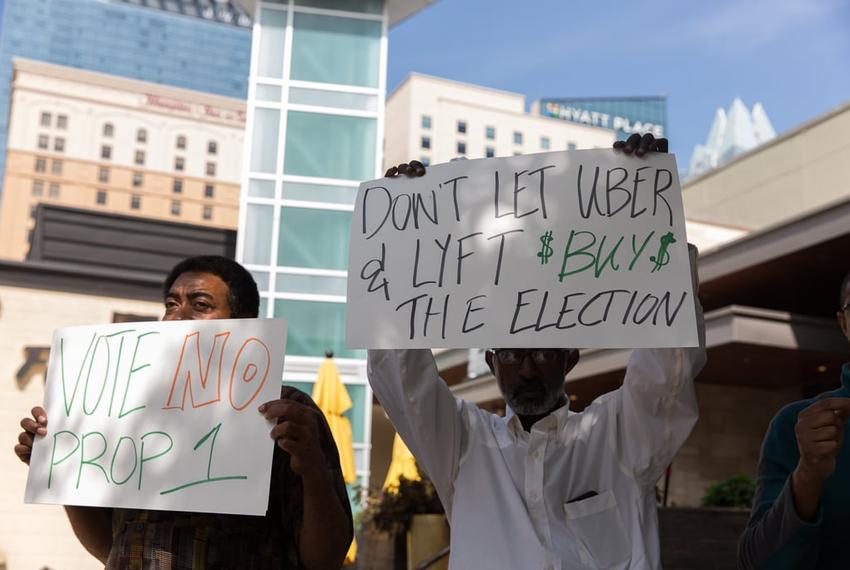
168, 540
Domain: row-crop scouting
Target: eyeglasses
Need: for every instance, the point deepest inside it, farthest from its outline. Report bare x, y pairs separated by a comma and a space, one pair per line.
540, 356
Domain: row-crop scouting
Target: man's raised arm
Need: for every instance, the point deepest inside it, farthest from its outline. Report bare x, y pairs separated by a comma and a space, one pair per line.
423, 410
657, 406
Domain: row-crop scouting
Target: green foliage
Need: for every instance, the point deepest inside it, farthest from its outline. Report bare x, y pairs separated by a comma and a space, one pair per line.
736, 491
391, 511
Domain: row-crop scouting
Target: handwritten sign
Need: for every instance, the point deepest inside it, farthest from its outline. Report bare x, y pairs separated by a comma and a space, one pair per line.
160, 416
563, 249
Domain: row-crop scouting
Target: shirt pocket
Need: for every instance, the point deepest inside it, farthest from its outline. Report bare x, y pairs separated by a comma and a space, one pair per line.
598, 527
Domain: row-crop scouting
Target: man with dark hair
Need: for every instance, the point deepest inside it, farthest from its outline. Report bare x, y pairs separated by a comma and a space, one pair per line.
308, 523
801, 510
243, 297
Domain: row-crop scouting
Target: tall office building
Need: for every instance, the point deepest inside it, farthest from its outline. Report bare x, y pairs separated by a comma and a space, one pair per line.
202, 45
435, 120
315, 124
95, 141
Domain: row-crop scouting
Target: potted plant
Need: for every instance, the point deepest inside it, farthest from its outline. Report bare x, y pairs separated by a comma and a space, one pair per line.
408, 521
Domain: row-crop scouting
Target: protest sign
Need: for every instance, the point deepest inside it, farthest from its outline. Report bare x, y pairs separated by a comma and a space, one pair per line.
160, 415
563, 249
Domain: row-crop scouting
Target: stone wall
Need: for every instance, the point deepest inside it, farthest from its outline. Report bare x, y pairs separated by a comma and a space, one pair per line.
726, 440
700, 539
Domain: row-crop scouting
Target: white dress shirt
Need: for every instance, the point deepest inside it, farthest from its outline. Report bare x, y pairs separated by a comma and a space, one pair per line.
510, 495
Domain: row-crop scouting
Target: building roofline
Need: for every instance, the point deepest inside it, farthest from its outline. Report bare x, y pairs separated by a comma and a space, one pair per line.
603, 98
805, 126
107, 81
465, 84
781, 238
398, 10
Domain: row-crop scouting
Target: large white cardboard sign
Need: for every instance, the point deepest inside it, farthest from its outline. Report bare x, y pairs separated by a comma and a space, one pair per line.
562, 249
160, 415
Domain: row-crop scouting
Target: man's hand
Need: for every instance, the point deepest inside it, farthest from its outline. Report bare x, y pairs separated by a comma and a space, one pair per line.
820, 432
411, 169
297, 433
34, 426
640, 145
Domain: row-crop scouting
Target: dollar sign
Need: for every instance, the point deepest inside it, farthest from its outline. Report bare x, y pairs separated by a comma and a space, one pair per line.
662, 258
545, 252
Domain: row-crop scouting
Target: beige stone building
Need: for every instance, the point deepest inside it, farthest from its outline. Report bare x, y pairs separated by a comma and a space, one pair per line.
90, 140
435, 120
801, 170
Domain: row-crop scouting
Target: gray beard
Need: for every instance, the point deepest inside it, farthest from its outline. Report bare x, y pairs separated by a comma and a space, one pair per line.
533, 407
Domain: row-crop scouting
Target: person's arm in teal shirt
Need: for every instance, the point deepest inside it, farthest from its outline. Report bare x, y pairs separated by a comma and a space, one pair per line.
798, 456
775, 537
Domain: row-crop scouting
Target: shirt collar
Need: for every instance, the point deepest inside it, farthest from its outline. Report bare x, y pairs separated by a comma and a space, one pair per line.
555, 419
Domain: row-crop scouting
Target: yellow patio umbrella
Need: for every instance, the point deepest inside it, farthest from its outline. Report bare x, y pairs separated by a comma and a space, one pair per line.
403, 464
332, 398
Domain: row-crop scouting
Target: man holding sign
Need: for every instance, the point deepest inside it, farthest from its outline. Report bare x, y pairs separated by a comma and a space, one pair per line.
307, 523
543, 487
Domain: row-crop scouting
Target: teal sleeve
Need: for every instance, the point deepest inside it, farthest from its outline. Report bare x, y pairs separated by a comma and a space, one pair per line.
775, 537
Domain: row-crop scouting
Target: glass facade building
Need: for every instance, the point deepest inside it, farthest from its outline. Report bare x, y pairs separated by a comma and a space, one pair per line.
626, 115
314, 130
204, 45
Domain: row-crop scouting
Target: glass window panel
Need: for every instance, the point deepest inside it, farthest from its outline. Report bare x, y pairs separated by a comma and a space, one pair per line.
357, 414
327, 49
268, 93
338, 99
367, 6
313, 238
272, 36
262, 280
258, 234
315, 284
330, 146
261, 188
360, 460
315, 327
264, 142
264, 307
319, 193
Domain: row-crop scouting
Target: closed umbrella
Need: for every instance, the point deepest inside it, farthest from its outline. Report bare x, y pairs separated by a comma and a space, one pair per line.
403, 464
330, 395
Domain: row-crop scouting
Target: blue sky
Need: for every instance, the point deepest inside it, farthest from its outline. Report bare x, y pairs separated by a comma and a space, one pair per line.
792, 55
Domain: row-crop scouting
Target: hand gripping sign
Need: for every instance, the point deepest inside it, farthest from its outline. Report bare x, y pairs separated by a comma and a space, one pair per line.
564, 249
160, 416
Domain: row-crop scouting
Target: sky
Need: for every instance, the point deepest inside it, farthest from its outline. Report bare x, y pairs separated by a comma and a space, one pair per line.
793, 56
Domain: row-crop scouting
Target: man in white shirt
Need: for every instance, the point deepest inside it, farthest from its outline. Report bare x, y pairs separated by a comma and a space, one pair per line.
544, 487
